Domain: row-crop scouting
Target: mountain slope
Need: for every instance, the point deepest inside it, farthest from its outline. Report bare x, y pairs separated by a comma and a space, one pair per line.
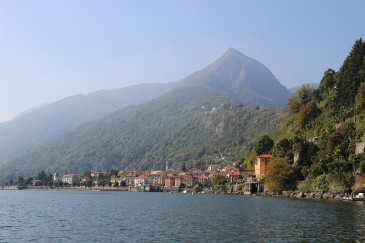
42, 125
180, 127
242, 78
295, 88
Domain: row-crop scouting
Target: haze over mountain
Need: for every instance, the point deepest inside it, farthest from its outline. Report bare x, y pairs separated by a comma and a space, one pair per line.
233, 76
43, 124
243, 78
187, 125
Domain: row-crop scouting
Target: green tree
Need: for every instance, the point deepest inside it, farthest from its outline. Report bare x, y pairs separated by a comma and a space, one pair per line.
321, 183
88, 174
197, 188
113, 172
183, 167
27, 182
280, 175
350, 75
42, 176
327, 83
89, 183
220, 182
362, 167
283, 148
307, 113
219, 179
334, 140
20, 181
304, 94
263, 145
293, 105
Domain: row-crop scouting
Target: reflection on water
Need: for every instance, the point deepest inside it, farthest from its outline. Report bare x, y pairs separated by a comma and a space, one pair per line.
49, 216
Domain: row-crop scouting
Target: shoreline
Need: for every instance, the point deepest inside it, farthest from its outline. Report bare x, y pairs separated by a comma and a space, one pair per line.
336, 194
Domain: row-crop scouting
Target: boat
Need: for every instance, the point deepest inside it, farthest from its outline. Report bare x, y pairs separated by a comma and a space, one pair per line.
357, 195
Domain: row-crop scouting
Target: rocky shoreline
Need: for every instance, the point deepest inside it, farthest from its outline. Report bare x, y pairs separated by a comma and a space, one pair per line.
336, 194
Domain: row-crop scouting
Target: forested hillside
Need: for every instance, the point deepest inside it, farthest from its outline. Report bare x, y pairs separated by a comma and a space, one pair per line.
44, 124
191, 126
323, 130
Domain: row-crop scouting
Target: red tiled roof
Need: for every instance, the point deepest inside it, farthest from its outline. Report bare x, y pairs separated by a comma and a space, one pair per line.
265, 156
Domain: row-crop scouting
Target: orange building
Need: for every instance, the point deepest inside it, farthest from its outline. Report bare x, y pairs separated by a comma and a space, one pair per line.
261, 165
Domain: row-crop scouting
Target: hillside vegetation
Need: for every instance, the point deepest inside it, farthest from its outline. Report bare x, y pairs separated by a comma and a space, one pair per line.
188, 126
323, 128
41, 126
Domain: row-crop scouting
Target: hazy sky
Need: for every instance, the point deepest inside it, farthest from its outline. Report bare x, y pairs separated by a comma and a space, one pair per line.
53, 49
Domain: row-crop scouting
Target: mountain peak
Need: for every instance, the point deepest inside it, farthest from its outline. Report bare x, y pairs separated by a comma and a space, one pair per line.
233, 53
231, 50
240, 77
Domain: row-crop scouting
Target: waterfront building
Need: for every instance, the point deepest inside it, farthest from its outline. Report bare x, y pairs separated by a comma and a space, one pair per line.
261, 164
70, 178
189, 181
115, 179
140, 181
129, 180
156, 179
203, 179
169, 181
233, 176
178, 180
96, 175
245, 172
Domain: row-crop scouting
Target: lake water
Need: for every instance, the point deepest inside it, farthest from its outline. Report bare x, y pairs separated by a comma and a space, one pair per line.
79, 216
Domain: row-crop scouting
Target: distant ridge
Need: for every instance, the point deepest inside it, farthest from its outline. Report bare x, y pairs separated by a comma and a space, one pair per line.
241, 77
44, 123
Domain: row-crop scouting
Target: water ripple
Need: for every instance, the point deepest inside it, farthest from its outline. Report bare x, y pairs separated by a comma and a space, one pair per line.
59, 216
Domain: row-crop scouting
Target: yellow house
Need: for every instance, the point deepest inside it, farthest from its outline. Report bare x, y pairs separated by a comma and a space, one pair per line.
261, 165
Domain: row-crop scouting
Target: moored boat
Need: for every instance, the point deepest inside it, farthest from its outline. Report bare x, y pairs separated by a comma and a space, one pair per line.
357, 195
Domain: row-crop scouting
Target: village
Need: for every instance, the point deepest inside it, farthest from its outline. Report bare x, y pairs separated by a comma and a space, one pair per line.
244, 180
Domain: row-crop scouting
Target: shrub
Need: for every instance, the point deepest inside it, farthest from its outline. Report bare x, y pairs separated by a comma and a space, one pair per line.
321, 183
240, 187
280, 175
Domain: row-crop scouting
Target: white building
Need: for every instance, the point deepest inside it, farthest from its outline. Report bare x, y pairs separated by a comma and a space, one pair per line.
70, 178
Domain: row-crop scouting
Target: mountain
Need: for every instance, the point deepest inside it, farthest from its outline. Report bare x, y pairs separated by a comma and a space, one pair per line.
40, 126
242, 78
191, 125
312, 85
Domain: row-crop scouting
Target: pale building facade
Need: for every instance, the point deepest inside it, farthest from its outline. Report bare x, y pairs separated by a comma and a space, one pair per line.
261, 165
